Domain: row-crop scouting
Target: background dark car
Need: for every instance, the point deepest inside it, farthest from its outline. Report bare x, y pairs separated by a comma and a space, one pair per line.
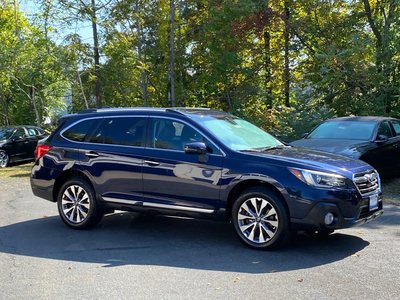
374, 140
18, 143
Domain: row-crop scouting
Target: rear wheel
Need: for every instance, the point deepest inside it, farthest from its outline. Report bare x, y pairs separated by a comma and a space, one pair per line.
4, 159
77, 205
260, 219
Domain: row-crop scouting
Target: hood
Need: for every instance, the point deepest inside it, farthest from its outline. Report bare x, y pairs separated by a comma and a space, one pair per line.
314, 159
342, 147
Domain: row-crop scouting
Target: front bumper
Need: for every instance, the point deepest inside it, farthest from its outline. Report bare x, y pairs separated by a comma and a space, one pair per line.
315, 219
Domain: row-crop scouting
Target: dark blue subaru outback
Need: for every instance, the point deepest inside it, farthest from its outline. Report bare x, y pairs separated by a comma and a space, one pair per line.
199, 163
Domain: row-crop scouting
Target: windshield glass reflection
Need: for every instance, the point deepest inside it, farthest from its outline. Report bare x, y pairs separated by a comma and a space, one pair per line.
238, 134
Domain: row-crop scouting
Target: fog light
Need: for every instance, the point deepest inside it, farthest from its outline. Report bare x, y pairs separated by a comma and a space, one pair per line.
329, 218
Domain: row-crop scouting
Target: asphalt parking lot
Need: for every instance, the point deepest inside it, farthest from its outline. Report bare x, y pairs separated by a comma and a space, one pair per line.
129, 256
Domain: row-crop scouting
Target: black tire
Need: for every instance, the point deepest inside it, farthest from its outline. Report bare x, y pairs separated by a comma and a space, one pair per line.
77, 205
4, 159
260, 219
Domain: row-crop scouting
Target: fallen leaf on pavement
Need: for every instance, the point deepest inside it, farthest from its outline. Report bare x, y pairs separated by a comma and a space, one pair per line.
355, 255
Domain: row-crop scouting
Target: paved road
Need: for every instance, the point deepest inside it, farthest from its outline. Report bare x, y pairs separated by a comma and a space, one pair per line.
140, 257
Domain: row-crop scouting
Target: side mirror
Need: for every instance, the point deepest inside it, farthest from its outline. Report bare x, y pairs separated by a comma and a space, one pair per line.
195, 148
381, 139
304, 135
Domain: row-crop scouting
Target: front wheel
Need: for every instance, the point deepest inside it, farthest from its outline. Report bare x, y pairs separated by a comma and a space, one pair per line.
260, 219
4, 159
77, 205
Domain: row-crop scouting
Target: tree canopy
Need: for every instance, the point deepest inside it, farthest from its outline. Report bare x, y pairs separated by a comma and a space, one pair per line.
284, 65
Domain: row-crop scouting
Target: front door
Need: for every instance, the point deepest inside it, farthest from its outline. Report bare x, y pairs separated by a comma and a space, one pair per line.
20, 144
175, 180
385, 155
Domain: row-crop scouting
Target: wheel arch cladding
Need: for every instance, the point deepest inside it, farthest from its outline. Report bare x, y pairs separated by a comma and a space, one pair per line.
247, 184
63, 177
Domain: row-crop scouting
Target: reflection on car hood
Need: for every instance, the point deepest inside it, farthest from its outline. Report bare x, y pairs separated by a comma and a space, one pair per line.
343, 147
314, 158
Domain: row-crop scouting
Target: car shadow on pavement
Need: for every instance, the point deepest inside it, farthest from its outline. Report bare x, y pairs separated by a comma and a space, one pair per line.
132, 239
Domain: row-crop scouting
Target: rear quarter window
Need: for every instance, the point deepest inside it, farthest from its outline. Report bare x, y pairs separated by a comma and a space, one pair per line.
80, 131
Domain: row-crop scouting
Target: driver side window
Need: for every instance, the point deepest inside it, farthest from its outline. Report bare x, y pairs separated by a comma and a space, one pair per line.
19, 132
174, 135
384, 129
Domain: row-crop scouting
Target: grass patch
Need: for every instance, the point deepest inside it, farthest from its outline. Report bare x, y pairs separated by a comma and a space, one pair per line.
16, 171
391, 190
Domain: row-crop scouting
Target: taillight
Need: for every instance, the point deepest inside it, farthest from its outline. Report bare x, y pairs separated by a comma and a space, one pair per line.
42, 150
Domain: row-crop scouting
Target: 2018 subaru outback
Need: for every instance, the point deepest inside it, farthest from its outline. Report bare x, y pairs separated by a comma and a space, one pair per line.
199, 163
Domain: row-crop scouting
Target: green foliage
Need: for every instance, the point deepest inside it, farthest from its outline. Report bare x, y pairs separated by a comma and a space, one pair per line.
283, 65
292, 122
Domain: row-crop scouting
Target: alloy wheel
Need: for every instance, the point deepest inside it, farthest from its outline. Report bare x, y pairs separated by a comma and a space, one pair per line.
258, 220
3, 159
75, 204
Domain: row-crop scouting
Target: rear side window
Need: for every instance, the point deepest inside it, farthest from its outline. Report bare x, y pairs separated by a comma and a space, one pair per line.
80, 131
126, 131
396, 126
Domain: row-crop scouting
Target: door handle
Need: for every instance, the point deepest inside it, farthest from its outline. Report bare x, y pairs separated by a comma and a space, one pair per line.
92, 154
152, 162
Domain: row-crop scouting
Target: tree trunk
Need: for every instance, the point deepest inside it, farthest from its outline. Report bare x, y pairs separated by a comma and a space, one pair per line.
33, 98
96, 56
180, 59
171, 57
267, 62
143, 62
32, 87
286, 74
81, 86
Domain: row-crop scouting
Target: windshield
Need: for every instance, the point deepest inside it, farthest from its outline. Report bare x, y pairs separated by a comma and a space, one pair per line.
346, 130
5, 133
236, 133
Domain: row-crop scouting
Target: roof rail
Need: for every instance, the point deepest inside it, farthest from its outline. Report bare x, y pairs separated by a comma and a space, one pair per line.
173, 111
180, 110
89, 110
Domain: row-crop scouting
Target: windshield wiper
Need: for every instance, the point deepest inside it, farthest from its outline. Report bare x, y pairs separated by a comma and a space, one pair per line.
274, 148
250, 150
266, 148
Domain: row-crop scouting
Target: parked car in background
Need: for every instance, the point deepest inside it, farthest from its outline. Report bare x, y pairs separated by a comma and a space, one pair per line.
199, 163
18, 143
375, 140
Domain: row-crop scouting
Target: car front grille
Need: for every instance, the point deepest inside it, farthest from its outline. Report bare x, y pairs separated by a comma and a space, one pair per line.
366, 182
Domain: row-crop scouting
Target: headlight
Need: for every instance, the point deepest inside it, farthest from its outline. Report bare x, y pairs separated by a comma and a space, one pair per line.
319, 179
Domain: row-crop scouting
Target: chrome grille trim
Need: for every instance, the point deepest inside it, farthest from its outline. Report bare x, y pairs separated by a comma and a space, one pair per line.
367, 182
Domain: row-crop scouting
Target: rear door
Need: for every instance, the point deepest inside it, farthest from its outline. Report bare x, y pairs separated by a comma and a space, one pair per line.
175, 180
112, 156
396, 129
34, 135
